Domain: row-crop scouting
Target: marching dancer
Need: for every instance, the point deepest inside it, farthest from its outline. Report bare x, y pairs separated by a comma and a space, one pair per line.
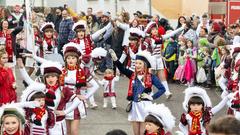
140, 88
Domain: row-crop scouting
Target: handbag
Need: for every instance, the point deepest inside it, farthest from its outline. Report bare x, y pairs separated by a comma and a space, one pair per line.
201, 76
129, 107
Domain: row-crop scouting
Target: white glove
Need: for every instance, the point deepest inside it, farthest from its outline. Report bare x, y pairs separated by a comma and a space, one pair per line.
113, 55
146, 96
231, 96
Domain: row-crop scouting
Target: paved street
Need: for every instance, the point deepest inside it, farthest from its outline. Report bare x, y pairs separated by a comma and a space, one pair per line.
101, 120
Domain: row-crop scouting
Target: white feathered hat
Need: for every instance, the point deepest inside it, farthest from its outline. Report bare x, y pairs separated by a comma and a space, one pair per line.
51, 67
47, 25
163, 114
31, 90
98, 52
81, 24
12, 109
196, 91
146, 57
136, 32
72, 47
149, 27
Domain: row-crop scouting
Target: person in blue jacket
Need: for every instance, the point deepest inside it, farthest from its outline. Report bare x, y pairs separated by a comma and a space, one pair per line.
140, 88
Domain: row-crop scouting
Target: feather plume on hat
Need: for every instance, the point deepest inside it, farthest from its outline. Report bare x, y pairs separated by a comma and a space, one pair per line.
196, 91
163, 114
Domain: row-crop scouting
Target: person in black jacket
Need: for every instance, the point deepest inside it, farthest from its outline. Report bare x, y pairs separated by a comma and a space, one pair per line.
170, 56
58, 18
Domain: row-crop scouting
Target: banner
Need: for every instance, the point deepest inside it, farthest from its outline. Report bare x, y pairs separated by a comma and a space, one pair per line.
29, 26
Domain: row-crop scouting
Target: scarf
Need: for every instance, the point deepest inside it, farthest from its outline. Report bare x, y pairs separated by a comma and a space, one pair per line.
87, 42
80, 76
39, 112
147, 81
50, 42
17, 133
50, 94
72, 67
196, 126
134, 48
109, 78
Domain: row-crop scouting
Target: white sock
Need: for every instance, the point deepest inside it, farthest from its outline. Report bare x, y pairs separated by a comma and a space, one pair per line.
113, 100
165, 84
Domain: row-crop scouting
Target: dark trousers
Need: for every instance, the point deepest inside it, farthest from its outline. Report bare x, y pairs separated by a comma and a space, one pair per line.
171, 65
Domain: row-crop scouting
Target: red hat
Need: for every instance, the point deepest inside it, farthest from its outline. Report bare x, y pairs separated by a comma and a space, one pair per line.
150, 26
71, 47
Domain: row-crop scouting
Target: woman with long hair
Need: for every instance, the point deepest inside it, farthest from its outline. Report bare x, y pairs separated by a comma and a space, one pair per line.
140, 88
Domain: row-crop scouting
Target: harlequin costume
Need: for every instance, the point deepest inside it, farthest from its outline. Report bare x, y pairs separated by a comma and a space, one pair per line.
131, 50
7, 91
138, 87
73, 76
12, 110
163, 116
38, 120
194, 123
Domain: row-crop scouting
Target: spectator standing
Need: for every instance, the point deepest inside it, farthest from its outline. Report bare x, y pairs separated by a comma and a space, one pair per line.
58, 18
65, 30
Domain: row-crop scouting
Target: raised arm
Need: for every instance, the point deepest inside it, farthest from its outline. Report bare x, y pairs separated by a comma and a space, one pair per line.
173, 33
39, 59
220, 105
123, 57
23, 72
119, 65
123, 26
95, 36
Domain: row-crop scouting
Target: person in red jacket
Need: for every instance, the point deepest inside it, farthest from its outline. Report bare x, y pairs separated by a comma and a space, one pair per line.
7, 80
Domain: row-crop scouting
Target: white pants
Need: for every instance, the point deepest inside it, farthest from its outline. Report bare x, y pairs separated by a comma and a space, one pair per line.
113, 100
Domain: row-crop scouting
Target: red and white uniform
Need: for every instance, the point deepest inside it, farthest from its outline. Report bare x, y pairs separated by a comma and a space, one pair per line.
47, 120
63, 96
70, 78
154, 46
109, 86
85, 44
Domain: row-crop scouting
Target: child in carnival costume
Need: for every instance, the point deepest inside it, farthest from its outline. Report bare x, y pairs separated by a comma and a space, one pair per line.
198, 111
10, 113
39, 119
57, 96
159, 120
